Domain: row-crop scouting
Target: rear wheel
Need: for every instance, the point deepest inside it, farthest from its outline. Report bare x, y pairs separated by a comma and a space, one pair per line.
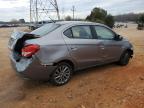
62, 74
124, 60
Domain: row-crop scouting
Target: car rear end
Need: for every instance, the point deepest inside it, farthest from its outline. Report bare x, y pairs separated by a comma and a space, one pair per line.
24, 56
25, 62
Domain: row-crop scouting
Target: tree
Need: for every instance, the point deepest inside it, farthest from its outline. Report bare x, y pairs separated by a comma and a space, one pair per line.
100, 15
141, 22
97, 14
141, 19
68, 18
109, 21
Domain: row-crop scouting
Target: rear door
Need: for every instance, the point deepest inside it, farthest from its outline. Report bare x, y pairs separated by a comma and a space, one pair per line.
111, 48
83, 48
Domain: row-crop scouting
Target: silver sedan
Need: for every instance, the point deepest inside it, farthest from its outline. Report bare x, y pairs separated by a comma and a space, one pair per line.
54, 51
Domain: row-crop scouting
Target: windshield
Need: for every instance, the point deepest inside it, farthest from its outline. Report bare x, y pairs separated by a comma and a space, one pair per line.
45, 29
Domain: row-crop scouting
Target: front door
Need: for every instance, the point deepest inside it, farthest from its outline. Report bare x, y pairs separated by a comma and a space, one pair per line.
111, 47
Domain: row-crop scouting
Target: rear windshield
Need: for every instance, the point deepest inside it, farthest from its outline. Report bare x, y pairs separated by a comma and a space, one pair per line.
45, 29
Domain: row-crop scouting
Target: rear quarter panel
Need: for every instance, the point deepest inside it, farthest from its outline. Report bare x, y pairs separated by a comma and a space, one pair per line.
52, 48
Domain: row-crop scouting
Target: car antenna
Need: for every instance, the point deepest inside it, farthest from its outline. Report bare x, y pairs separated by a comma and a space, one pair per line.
52, 20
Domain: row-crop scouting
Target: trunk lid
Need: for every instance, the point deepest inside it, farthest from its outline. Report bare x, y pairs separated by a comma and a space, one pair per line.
17, 42
14, 38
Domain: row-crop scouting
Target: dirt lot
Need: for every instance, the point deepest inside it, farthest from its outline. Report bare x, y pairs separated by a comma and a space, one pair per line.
109, 86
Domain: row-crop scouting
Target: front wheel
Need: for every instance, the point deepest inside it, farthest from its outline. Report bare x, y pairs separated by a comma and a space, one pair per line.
62, 74
124, 60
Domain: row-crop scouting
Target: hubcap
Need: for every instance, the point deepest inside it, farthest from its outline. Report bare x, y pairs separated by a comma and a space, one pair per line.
62, 74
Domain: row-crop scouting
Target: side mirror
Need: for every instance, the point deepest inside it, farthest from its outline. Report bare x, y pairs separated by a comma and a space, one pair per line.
118, 37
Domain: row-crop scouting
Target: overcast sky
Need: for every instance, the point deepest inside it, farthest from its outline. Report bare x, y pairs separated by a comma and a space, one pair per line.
18, 9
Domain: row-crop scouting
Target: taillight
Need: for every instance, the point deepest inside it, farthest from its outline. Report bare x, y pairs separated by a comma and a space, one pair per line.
30, 50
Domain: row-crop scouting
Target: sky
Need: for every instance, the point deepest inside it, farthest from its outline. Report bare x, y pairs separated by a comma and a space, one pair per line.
18, 9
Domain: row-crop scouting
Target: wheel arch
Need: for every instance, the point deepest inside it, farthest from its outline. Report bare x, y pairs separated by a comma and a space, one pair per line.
66, 61
130, 51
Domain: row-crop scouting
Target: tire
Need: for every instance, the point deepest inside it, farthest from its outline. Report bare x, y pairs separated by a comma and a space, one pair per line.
124, 60
62, 74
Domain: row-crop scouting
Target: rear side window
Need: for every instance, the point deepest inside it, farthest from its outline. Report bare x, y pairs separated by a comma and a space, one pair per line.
104, 33
68, 33
79, 32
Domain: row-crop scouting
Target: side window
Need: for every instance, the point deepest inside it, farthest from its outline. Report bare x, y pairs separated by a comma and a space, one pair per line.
82, 32
68, 33
104, 33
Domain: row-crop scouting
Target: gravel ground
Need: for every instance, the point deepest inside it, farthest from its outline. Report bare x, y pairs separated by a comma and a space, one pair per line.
108, 86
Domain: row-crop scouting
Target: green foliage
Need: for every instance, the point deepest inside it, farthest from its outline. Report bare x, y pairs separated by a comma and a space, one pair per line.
141, 19
68, 18
141, 22
100, 15
109, 21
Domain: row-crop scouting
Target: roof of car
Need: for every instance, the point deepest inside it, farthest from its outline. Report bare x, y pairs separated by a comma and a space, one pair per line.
76, 22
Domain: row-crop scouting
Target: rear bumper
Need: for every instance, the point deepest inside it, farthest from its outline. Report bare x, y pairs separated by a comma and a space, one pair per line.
32, 69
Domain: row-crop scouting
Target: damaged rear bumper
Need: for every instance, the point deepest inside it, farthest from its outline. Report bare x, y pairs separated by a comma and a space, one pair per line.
31, 68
